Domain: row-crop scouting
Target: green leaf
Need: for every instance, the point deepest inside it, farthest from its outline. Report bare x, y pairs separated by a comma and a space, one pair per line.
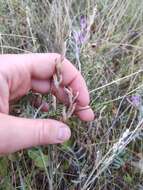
66, 165
40, 160
128, 179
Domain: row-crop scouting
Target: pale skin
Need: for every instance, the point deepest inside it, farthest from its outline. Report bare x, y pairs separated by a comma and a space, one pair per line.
18, 75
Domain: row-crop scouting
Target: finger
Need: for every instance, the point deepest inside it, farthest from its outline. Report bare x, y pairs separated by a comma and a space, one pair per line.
4, 96
43, 67
41, 86
19, 133
84, 113
79, 85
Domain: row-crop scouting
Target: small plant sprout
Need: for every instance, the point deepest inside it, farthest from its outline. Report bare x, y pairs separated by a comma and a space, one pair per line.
67, 113
80, 35
57, 79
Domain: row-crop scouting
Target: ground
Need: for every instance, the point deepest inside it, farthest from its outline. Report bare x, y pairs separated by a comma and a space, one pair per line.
104, 40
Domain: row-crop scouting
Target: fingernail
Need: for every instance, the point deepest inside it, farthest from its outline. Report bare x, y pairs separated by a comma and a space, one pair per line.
64, 133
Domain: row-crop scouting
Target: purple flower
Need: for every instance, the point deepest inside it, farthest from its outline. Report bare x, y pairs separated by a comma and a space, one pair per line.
136, 100
80, 37
83, 22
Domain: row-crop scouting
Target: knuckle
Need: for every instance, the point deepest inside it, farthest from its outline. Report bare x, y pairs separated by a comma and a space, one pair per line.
43, 132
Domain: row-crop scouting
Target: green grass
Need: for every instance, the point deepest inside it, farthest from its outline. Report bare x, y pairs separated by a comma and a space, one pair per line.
111, 62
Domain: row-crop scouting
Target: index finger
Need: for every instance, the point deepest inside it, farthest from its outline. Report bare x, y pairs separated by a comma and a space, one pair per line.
43, 67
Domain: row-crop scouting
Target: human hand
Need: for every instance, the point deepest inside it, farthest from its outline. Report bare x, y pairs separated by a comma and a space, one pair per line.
18, 75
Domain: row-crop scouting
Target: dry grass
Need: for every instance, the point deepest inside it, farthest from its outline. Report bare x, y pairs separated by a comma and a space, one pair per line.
103, 154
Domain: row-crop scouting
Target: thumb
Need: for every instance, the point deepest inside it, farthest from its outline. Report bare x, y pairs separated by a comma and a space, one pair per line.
19, 133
